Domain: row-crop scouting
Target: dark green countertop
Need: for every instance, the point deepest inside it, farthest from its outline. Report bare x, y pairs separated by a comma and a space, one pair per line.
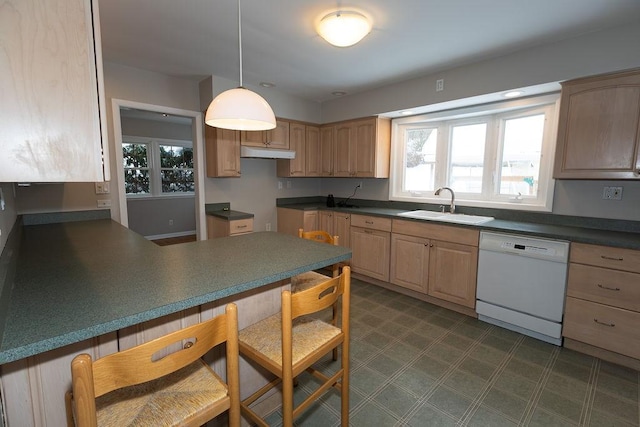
606, 237
230, 215
78, 280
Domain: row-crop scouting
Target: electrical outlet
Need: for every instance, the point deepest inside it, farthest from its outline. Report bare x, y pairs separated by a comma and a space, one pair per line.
267, 227
360, 185
439, 85
104, 203
170, 222
279, 185
612, 193
2, 203
288, 184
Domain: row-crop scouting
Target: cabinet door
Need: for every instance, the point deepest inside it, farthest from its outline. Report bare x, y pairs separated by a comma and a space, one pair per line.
52, 111
371, 250
452, 272
344, 153
297, 143
410, 262
599, 128
309, 221
326, 222
342, 228
365, 148
278, 137
327, 143
312, 151
222, 152
254, 138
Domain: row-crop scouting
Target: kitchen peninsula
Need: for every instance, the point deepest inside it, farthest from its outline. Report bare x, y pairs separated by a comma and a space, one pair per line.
90, 285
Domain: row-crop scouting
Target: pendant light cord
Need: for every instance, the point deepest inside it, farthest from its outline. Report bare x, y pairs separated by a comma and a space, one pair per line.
240, 39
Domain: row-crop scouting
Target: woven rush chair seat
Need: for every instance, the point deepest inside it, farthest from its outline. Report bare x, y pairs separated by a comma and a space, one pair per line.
167, 401
308, 335
306, 280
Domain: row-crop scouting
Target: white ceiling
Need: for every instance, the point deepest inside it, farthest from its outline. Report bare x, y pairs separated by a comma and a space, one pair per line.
410, 38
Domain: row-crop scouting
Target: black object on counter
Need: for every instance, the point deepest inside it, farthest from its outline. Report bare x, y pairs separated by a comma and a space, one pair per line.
331, 201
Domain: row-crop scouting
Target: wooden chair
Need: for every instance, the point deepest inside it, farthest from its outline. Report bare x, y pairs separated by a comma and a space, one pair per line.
130, 388
290, 342
311, 278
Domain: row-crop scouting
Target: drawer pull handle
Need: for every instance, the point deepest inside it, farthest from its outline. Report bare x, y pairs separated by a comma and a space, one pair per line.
611, 258
368, 222
608, 287
241, 226
611, 325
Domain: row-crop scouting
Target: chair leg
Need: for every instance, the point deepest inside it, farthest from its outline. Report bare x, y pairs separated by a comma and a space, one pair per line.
344, 392
287, 403
68, 398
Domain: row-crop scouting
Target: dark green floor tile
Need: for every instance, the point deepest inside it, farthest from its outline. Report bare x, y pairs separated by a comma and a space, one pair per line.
560, 405
450, 402
477, 368
332, 399
396, 400
533, 356
430, 366
391, 329
384, 365
489, 355
571, 356
485, 417
617, 386
366, 380
414, 381
371, 415
572, 370
377, 339
457, 341
443, 322
469, 331
362, 351
604, 419
497, 343
526, 370
402, 352
624, 409
619, 371
505, 403
445, 352
428, 330
428, 416
542, 418
538, 345
359, 329
465, 383
404, 320
416, 340
515, 385
372, 320
567, 387
316, 415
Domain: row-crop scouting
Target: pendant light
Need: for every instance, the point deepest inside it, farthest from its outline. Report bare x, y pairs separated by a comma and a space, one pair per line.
240, 108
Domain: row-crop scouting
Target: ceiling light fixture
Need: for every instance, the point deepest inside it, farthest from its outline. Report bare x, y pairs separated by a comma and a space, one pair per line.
240, 108
344, 28
512, 94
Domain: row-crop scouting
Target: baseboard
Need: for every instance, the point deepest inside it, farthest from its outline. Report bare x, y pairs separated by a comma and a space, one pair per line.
171, 235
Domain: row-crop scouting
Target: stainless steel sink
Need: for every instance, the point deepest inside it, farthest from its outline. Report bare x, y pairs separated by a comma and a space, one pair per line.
447, 217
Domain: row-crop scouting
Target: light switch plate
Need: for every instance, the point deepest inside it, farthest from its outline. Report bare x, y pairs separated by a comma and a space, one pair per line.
2, 203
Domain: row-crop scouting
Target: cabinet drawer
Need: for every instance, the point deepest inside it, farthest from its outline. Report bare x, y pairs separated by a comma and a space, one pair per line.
611, 287
446, 233
373, 222
606, 256
239, 226
610, 328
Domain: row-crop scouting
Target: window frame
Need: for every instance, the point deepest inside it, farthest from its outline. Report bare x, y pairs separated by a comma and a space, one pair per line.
496, 115
154, 166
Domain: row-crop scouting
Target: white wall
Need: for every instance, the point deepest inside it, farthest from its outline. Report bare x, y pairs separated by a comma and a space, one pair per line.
8, 215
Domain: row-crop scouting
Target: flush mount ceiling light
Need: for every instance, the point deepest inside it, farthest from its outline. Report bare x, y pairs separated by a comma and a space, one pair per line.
344, 28
240, 108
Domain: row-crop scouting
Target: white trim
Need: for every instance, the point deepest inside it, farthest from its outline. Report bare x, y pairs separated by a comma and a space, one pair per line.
198, 153
171, 235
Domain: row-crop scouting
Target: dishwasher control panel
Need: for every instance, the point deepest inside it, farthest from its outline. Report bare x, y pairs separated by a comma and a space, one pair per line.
534, 247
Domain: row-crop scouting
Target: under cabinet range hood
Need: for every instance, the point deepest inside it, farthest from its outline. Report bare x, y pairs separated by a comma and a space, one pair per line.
266, 153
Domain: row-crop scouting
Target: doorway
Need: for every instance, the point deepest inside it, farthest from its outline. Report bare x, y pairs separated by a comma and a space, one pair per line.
160, 189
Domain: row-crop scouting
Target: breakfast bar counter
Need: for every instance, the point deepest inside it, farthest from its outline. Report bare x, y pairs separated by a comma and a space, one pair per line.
78, 280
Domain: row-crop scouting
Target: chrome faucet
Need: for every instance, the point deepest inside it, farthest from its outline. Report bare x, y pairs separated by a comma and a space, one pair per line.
452, 206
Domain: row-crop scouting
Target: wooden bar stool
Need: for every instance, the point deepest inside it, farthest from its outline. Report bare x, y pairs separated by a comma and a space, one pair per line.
290, 342
129, 388
311, 278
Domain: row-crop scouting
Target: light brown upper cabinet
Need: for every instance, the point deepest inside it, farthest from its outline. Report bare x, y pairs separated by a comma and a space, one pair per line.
297, 143
313, 151
52, 112
362, 148
222, 152
599, 127
327, 140
274, 138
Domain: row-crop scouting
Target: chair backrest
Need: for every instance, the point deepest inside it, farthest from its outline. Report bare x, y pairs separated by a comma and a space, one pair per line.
318, 236
319, 297
136, 365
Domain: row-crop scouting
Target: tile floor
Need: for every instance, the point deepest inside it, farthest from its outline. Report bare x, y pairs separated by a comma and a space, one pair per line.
416, 364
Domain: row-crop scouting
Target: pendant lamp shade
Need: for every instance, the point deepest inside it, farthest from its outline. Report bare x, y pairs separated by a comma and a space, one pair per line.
240, 109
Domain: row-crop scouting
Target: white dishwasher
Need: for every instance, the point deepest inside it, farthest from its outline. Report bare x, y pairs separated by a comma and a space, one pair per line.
521, 284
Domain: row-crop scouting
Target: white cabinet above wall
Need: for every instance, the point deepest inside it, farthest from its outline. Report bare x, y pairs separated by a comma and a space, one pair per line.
52, 115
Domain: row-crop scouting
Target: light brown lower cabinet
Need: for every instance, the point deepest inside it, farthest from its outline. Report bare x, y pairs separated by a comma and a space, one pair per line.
371, 246
220, 227
436, 260
290, 220
602, 310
